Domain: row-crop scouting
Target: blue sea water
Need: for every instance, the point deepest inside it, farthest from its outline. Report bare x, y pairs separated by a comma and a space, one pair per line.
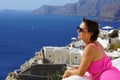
22, 34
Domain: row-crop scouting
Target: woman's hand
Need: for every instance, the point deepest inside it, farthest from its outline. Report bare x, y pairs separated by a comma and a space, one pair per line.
67, 73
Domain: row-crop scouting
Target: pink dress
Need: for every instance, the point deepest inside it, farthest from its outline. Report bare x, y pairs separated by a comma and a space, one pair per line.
103, 69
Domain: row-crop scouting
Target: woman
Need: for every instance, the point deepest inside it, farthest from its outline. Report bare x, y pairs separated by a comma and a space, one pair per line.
94, 60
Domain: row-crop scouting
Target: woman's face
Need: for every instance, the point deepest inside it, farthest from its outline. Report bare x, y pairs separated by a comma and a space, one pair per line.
83, 32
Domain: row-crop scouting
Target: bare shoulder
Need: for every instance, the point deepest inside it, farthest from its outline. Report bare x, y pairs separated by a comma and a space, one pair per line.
93, 49
89, 51
90, 47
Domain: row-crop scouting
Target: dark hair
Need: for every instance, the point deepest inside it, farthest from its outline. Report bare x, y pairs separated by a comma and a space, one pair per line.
92, 27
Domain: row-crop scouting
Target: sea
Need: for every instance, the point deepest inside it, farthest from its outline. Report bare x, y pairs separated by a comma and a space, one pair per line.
23, 34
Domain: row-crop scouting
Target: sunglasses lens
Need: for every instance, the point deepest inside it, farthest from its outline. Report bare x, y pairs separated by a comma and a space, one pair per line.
80, 29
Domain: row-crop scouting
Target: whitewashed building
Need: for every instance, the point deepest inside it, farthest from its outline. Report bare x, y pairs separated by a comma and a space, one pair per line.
62, 55
119, 34
75, 57
49, 53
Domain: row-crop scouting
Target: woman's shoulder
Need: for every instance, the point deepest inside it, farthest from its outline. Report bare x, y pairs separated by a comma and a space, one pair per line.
92, 48
96, 44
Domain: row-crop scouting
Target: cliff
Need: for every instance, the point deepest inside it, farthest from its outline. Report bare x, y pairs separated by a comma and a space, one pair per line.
108, 10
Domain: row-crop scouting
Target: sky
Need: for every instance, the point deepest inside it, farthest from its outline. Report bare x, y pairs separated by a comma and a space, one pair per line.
30, 4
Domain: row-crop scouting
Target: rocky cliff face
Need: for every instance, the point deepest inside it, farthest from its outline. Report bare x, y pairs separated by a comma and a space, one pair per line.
108, 10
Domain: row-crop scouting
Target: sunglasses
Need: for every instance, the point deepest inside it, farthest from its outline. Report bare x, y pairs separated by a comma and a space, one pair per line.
80, 29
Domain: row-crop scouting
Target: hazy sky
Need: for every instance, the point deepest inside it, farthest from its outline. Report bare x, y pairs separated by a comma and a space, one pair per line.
30, 4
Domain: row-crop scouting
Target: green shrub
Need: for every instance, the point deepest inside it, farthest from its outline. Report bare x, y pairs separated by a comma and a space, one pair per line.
114, 46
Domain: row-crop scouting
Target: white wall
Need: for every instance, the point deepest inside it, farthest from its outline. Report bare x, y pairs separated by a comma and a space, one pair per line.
119, 34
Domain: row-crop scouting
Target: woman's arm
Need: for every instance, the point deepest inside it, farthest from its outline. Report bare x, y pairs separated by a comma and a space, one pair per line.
85, 62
